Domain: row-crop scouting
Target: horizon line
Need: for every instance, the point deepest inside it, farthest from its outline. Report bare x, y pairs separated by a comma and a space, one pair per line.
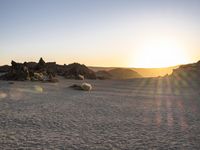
107, 66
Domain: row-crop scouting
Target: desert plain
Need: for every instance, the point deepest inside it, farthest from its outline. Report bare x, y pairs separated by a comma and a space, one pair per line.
116, 114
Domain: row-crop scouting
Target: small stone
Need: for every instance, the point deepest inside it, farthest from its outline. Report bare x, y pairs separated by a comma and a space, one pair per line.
86, 86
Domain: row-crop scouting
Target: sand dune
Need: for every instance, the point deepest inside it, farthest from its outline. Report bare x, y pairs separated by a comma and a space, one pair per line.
117, 114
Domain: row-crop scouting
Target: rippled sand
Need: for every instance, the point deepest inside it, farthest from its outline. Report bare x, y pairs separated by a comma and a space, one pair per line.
130, 114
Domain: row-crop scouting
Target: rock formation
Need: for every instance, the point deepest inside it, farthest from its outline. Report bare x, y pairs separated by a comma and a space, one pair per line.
185, 75
43, 71
40, 71
41, 64
189, 72
18, 72
72, 71
4, 68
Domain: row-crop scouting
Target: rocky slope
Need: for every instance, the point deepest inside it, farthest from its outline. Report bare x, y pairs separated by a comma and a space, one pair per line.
44, 70
185, 75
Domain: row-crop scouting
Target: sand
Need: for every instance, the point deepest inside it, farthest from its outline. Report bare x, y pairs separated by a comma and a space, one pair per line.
129, 114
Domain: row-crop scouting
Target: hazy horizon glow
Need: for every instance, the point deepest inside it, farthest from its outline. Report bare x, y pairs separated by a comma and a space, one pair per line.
113, 33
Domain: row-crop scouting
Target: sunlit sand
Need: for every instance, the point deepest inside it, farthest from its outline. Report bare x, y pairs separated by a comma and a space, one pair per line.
116, 114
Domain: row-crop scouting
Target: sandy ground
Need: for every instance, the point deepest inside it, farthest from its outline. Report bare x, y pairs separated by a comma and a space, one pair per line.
130, 114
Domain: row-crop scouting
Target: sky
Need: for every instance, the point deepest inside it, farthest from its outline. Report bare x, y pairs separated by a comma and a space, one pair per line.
117, 33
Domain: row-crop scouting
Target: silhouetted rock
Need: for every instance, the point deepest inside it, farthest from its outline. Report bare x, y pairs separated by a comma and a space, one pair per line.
51, 68
5, 68
18, 72
61, 69
102, 75
44, 68
31, 65
41, 64
42, 71
121, 73
72, 71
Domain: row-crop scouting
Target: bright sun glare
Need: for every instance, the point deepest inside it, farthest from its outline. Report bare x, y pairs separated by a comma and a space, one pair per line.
160, 53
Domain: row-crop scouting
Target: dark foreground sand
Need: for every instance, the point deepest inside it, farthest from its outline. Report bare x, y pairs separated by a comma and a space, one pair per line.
131, 114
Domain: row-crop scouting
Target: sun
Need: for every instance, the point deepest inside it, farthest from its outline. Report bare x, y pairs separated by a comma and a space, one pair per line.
160, 53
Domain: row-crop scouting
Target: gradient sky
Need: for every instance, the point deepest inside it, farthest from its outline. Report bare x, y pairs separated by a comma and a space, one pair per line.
123, 33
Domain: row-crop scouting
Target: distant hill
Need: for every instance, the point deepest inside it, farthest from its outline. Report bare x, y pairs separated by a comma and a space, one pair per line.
122, 73
145, 72
102, 74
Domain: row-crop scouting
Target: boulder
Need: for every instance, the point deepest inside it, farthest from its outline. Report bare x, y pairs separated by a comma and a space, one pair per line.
186, 75
41, 64
83, 86
31, 65
18, 72
61, 69
41, 71
51, 68
86, 86
72, 71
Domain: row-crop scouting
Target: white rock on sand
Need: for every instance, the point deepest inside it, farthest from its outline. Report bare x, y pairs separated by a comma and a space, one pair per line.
86, 86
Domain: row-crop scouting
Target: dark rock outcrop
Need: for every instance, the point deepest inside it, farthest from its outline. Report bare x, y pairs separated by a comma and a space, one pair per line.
31, 65
40, 71
41, 65
72, 71
43, 71
61, 69
5, 68
51, 68
18, 72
